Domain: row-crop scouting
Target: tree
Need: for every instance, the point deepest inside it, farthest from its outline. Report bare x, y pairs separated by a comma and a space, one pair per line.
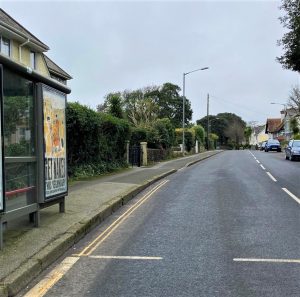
228, 126
294, 126
290, 40
235, 132
247, 133
294, 100
102, 107
171, 104
141, 110
114, 105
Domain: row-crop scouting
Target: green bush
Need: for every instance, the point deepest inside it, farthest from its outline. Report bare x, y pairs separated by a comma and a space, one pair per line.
189, 138
23, 148
138, 135
199, 133
96, 141
165, 133
160, 135
297, 136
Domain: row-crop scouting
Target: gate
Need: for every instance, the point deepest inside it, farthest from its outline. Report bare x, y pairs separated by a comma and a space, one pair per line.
135, 156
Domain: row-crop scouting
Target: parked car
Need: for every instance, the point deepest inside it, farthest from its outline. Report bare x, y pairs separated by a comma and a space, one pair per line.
262, 146
292, 151
273, 145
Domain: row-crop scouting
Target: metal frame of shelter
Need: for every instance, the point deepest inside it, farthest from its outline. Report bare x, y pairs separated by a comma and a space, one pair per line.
44, 197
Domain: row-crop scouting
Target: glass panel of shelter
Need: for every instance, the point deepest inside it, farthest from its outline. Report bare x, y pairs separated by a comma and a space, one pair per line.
19, 141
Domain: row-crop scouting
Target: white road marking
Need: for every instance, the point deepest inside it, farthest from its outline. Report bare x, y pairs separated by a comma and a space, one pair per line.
266, 260
52, 278
291, 195
126, 257
257, 161
262, 167
272, 177
252, 154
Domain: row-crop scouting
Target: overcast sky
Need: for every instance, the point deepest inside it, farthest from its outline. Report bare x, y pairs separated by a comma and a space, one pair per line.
113, 46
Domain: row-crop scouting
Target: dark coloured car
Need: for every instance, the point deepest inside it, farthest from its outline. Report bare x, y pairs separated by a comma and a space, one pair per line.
292, 151
273, 145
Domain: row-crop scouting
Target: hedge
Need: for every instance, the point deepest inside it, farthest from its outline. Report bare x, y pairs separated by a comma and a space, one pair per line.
189, 138
161, 135
96, 141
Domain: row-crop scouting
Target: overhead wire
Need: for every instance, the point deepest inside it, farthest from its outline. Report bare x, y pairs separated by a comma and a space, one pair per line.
244, 108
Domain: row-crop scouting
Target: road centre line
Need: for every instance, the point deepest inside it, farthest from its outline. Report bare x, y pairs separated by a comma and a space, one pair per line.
267, 260
291, 195
271, 177
52, 278
262, 167
99, 239
126, 257
257, 161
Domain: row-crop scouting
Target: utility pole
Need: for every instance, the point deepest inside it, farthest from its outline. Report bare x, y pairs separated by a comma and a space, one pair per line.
207, 136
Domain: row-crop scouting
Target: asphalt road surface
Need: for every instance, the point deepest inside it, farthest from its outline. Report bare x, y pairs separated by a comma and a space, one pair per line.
228, 226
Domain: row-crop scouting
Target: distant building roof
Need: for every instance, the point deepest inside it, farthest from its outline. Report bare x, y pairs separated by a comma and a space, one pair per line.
55, 69
273, 125
11, 24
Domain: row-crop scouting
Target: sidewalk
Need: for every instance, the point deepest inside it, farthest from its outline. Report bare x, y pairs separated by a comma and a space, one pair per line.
28, 250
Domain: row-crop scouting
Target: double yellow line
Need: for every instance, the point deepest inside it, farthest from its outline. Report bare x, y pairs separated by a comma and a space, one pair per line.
97, 241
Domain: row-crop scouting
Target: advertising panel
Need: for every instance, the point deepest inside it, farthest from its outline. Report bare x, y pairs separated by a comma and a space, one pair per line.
54, 107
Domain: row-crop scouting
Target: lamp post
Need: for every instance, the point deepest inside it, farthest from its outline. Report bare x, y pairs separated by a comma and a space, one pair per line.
284, 105
183, 103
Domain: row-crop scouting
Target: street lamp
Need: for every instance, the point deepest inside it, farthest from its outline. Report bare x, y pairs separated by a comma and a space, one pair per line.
284, 105
183, 102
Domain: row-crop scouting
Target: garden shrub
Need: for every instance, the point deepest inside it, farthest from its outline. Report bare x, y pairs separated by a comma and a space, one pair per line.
189, 138
138, 135
166, 133
96, 141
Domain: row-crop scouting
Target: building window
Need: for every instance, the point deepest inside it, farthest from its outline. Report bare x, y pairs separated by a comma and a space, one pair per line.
32, 60
5, 46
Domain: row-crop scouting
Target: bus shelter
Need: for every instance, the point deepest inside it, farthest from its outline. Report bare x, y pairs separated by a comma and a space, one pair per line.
33, 152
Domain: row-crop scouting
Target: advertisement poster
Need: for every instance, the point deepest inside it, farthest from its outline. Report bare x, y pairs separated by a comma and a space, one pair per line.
54, 106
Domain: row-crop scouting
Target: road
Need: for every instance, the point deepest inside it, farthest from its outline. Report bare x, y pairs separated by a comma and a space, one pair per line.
287, 172
223, 227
